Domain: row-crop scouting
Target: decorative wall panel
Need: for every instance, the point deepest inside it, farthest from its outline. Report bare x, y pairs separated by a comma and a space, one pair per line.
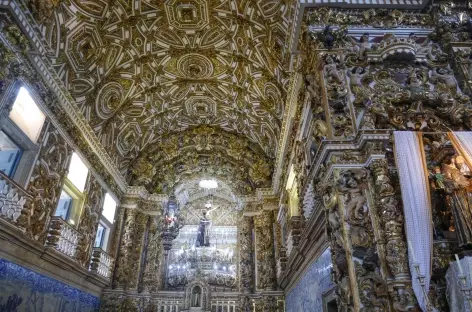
24, 290
307, 295
47, 179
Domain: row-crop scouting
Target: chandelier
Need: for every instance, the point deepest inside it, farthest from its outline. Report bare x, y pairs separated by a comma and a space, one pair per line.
216, 266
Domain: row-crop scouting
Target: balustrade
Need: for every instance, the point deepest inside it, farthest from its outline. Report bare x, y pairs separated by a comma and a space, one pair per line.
101, 263
63, 237
14, 201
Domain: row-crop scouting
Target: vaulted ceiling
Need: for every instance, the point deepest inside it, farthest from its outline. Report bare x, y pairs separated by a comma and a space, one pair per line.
178, 88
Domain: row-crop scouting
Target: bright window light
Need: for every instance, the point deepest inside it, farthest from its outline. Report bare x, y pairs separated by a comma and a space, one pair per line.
27, 115
109, 207
208, 184
77, 172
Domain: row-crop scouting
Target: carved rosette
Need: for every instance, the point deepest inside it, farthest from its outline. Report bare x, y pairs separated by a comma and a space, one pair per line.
246, 254
263, 226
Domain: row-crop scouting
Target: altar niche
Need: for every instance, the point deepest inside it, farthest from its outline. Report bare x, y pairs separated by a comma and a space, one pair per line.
196, 297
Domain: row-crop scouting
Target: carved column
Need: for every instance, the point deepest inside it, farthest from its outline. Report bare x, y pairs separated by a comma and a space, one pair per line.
246, 255
266, 274
115, 244
339, 255
151, 280
123, 270
392, 242
281, 251
137, 249
356, 266
89, 220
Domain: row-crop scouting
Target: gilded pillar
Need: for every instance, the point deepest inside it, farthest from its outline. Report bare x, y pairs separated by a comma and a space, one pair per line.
368, 285
89, 220
357, 270
393, 242
339, 254
122, 268
265, 257
280, 251
137, 249
115, 244
246, 254
151, 281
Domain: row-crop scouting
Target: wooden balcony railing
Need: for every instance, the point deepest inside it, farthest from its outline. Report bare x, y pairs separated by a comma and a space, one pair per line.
101, 262
63, 237
15, 202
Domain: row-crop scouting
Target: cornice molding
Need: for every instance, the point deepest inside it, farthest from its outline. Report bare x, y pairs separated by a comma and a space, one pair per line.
289, 114
346, 4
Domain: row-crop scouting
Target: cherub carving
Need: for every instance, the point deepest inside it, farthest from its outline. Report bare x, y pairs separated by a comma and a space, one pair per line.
355, 200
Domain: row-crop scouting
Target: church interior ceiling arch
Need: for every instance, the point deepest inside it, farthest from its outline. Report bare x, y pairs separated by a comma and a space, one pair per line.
191, 191
160, 75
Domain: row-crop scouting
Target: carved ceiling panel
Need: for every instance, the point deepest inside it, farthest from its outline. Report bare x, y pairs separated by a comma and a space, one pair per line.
143, 70
202, 152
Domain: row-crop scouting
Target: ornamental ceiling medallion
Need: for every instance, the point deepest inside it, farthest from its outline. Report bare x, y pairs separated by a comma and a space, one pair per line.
177, 89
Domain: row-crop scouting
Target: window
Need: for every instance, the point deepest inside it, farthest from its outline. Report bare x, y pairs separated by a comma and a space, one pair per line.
64, 206
106, 222
109, 207
100, 236
10, 155
27, 115
72, 198
77, 172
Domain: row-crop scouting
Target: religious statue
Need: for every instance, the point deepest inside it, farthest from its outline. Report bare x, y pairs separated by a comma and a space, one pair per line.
444, 78
459, 197
332, 70
203, 237
362, 46
438, 178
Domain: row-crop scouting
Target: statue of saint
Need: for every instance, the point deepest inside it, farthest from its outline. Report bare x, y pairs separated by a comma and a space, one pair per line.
459, 197
203, 236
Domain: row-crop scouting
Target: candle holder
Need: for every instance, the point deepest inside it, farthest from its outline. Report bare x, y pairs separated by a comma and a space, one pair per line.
422, 280
467, 291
